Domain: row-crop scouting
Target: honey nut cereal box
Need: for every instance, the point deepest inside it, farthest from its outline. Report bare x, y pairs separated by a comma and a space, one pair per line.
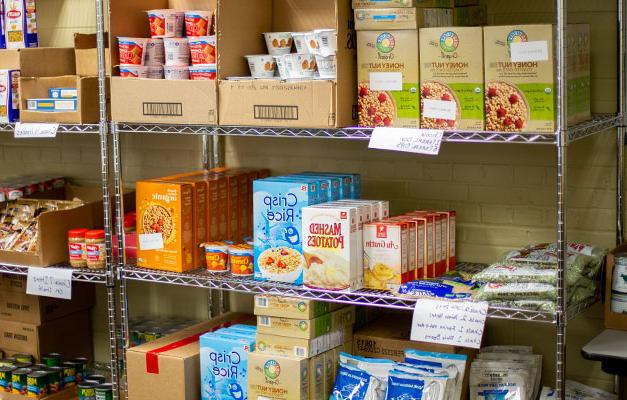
293, 327
386, 247
519, 93
165, 226
316, 378
383, 3
401, 18
331, 248
451, 78
290, 307
277, 378
298, 347
388, 78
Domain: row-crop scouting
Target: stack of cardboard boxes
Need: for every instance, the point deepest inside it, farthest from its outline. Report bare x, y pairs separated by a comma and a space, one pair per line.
297, 347
39, 325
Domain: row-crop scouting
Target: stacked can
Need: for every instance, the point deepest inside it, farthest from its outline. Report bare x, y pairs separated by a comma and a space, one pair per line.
619, 284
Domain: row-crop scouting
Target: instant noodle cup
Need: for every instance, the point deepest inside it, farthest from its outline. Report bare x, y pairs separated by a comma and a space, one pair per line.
140, 71
326, 66
166, 23
198, 23
132, 50
278, 42
155, 55
203, 72
281, 67
326, 40
203, 50
300, 65
261, 66
300, 41
217, 256
176, 72
176, 51
241, 259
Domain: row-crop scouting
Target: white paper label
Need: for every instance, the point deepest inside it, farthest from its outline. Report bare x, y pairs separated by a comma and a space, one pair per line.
386, 81
151, 241
439, 109
30, 130
421, 141
449, 322
49, 282
529, 51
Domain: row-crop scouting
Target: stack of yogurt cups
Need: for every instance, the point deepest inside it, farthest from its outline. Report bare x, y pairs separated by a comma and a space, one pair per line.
176, 38
315, 56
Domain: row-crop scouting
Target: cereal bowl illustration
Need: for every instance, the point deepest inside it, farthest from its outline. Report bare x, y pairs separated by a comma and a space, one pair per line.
375, 108
506, 108
281, 264
158, 219
434, 90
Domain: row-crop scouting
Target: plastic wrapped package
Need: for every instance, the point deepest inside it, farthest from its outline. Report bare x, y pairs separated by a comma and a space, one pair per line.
445, 288
533, 362
445, 361
351, 383
578, 391
511, 273
516, 291
501, 380
378, 369
404, 386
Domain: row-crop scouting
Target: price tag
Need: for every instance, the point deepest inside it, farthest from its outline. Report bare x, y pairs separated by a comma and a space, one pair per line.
386, 80
529, 51
440, 109
150, 241
49, 282
449, 322
31, 130
421, 141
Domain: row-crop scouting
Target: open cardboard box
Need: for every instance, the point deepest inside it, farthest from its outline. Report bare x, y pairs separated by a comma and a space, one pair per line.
305, 104
613, 320
86, 54
138, 100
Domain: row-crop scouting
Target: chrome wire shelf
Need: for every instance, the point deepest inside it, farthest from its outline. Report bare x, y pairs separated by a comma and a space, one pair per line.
68, 128
598, 123
365, 297
78, 274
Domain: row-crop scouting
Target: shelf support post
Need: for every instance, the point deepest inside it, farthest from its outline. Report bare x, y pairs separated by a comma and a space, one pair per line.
620, 133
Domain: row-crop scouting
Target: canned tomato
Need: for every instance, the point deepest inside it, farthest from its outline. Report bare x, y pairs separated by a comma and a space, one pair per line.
19, 381
197, 23
5, 378
69, 373
203, 50
81, 368
52, 359
104, 392
217, 256
87, 391
97, 378
23, 358
55, 378
37, 384
241, 259
202, 72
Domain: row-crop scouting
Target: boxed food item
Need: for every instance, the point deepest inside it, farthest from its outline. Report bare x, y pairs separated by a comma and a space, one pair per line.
472, 15
386, 255
463, 3
383, 3
435, 3
292, 327
413, 229
316, 378
290, 307
51, 105
436, 240
277, 377
388, 78
519, 78
299, 347
572, 75
165, 225
451, 78
9, 97
20, 23
401, 18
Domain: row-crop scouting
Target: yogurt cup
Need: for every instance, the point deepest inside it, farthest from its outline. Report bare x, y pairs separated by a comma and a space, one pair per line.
300, 65
326, 66
166, 23
217, 256
327, 41
132, 50
312, 43
176, 72
176, 52
281, 67
300, 41
198, 23
203, 50
141, 71
241, 259
155, 55
278, 42
203, 72
261, 65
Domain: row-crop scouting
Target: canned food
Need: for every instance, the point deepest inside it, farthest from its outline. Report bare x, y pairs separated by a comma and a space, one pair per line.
22, 364
7, 362
176, 51
19, 381
5, 378
619, 303
619, 279
81, 368
37, 384
87, 391
97, 378
217, 256
104, 392
23, 358
38, 367
52, 359
55, 378
69, 373
241, 259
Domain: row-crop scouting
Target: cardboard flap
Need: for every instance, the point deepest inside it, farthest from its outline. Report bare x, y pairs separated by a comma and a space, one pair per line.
47, 61
303, 15
9, 59
184, 5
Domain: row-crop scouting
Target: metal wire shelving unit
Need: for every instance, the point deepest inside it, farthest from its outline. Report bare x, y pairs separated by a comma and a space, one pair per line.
78, 274
63, 128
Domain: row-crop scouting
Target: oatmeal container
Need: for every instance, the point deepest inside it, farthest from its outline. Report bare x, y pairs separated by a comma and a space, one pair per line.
278, 42
281, 67
261, 66
300, 41
176, 51
217, 256
166, 23
313, 47
132, 50
326, 66
326, 40
241, 259
155, 54
76, 244
203, 50
300, 65
198, 23
174, 73
203, 72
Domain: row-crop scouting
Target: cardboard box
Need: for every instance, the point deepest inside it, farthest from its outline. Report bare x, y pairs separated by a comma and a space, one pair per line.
65, 394
169, 368
613, 320
69, 335
317, 378
397, 83
298, 347
278, 378
292, 327
290, 307
20, 307
401, 18
383, 3
451, 70
474, 15
85, 53
29, 61
306, 104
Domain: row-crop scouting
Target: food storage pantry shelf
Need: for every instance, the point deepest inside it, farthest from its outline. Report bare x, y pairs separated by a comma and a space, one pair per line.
78, 274
364, 297
599, 123
71, 128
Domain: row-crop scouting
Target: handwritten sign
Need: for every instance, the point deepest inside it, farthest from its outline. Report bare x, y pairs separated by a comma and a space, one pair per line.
529, 51
49, 282
421, 141
440, 109
449, 322
151, 241
30, 130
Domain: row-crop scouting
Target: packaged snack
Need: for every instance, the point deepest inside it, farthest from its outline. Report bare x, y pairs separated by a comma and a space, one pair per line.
132, 50
438, 288
516, 291
532, 362
442, 379
202, 72
402, 385
507, 349
203, 50
378, 369
198, 23
440, 360
176, 51
166, 23
351, 383
9, 97
498, 379
155, 53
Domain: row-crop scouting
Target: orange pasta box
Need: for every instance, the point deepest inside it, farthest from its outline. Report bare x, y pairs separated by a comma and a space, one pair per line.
386, 260
165, 225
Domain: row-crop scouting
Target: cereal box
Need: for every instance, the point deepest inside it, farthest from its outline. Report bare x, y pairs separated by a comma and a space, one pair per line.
350, 184
20, 23
383, 3
386, 260
519, 78
316, 378
401, 18
294, 327
165, 226
333, 183
277, 233
277, 378
475, 15
388, 78
9, 95
299, 347
331, 248
451, 78
290, 307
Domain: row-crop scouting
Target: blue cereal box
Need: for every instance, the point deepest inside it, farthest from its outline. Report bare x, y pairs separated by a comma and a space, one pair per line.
277, 230
224, 366
347, 189
333, 183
